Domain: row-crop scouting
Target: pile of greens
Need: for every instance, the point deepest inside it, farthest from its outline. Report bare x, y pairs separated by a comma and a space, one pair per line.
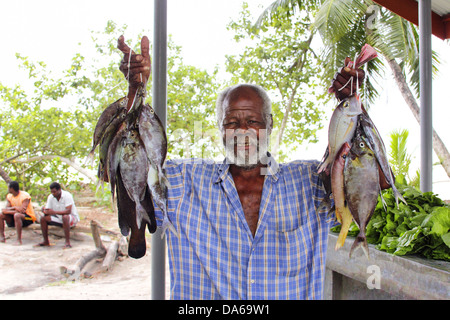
421, 227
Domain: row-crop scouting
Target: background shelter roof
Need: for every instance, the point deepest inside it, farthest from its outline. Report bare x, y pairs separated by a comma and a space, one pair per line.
409, 9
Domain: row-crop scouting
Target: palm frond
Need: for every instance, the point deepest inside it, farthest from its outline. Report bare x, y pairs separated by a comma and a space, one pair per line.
399, 39
290, 7
400, 159
335, 17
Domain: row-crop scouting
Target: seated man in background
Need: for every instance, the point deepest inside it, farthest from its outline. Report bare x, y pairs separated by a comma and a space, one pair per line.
61, 211
18, 213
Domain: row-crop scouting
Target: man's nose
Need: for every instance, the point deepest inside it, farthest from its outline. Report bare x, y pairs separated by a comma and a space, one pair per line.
243, 127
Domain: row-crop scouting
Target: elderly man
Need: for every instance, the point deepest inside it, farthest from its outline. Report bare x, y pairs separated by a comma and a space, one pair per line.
248, 228
18, 213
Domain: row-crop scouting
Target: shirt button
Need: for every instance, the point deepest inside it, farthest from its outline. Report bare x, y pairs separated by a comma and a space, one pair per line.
252, 281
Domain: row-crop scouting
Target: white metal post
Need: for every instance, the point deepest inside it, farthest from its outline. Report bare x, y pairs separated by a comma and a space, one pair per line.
426, 121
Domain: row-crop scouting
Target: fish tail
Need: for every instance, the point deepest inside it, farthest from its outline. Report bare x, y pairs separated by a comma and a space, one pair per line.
90, 158
383, 201
398, 196
346, 222
163, 179
331, 211
325, 204
323, 165
360, 242
167, 224
141, 214
137, 245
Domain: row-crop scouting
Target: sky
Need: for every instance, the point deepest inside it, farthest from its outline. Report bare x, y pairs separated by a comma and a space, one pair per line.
50, 31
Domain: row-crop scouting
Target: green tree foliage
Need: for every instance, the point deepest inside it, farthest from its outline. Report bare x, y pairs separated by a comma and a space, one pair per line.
400, 159
281, 59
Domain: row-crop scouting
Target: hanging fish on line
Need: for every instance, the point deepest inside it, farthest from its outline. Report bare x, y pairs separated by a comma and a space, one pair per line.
355, 167
133, 148
362, 186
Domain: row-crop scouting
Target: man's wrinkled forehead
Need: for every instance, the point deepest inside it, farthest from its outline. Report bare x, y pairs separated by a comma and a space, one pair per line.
243, 98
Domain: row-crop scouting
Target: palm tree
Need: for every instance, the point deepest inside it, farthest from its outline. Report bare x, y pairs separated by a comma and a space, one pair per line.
346, 25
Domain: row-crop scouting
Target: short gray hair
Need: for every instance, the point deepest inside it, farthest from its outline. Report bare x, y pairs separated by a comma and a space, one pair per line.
267, 104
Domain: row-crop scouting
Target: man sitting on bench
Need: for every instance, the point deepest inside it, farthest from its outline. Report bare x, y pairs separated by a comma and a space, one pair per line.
61, 211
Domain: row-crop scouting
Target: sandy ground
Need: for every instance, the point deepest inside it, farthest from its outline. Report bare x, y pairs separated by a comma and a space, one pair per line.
33, 273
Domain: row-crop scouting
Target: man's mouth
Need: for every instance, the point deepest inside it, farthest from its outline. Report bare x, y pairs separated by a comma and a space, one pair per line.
241, 145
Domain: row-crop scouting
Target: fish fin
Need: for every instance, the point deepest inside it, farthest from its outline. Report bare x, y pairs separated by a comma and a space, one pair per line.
325, 204
346, 222
150, 211
350, 127
163, 179
167, 224
125, 207
141, 214
324, 165
383, 202
398, 195
137, 245
338, 215
90, 158
330, 212
360, 242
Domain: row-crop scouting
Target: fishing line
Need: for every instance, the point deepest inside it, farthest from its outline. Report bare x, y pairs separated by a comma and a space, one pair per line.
128, 78
357, 82
345, 85
364, 84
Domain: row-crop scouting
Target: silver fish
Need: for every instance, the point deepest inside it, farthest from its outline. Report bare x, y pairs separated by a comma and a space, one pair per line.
108, 135
343, 213
127, 170
361, 184
108, 115
375, 143
127, 219
133, 166
342, 127
114, 155
154, 138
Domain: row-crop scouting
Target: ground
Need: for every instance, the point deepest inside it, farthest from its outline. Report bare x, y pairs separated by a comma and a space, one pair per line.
33, 273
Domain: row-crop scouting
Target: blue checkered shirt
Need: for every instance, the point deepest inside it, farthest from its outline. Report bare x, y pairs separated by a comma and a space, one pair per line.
215, 255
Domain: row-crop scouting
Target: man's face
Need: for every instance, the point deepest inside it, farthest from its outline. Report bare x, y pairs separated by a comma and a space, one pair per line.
244, 128
12, 191
56, 193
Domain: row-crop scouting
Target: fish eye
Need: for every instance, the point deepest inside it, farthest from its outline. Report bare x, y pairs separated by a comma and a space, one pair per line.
346, 104
152, 111
362, 145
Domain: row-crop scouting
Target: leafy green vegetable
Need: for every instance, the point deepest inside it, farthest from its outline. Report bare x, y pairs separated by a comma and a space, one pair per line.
421, 227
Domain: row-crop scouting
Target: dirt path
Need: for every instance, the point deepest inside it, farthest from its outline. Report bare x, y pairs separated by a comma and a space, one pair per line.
33, 273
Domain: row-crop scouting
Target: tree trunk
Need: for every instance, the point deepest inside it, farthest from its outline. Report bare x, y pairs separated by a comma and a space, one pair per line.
5, 176
110, 256
284, 122
74, 272
69, 162
438, 145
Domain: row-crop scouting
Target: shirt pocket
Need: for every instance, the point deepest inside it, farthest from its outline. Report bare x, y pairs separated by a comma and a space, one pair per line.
291, 252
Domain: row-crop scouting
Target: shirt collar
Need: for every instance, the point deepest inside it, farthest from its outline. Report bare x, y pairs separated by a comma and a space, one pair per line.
272, 170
